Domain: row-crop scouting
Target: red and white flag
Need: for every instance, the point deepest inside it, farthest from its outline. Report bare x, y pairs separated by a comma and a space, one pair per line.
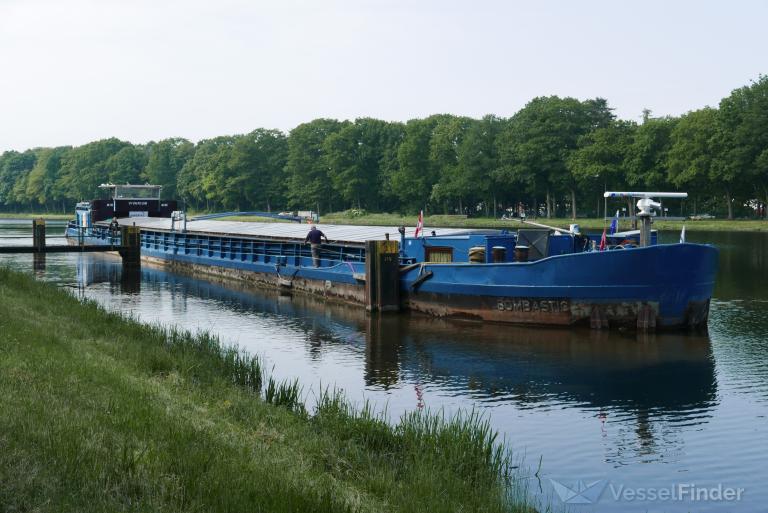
419, 224
603, 241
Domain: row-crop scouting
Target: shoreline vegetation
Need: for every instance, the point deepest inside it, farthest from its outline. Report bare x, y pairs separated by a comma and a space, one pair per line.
30, 216
99, 412
442, 221
450, 221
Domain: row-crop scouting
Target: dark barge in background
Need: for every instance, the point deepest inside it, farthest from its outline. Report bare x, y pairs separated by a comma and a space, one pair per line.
529, 276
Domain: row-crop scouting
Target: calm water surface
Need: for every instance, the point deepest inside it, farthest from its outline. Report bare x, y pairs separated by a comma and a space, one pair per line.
642, 412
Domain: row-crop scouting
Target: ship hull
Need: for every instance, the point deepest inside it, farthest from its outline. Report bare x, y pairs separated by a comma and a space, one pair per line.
656, 287
663, 286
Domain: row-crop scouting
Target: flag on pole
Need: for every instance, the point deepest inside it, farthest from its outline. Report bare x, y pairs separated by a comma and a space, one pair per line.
420, 224
603, 241
682, 235
614, 224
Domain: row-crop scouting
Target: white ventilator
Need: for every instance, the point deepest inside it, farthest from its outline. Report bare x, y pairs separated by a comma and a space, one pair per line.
646, 206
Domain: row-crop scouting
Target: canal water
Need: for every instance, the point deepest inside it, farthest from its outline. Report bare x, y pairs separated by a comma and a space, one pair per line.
669, 422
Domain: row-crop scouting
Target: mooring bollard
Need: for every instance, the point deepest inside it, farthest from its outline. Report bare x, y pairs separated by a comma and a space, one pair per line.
130, 246
382, 275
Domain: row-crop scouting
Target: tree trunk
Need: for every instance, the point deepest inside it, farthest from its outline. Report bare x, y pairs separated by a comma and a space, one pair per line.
549, 208
631, 213
573, 204
765, 205
730, 203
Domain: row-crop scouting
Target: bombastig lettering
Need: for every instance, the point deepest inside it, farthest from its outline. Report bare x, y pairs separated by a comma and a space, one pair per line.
533, 305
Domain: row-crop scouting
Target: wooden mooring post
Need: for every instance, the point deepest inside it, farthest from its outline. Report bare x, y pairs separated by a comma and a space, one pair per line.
382, 275
38, 234
38, 241
130, 247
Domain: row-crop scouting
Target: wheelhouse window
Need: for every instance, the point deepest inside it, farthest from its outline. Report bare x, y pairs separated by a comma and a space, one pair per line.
438, 254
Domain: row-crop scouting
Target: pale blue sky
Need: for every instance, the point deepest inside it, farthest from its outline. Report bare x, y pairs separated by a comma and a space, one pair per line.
80, 70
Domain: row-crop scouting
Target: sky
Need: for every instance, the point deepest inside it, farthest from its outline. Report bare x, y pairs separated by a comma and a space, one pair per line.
74, 71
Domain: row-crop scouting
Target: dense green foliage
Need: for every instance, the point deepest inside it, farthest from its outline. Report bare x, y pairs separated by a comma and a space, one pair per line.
101, 413
554, 155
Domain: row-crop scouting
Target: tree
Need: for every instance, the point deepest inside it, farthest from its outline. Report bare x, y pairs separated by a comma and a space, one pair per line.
126, 165
447, 137
598, 163
535, 147
85, 167
695, 158
199, 181
478, 159
743, 118
357, 156
415, 175
41, 184
255, 169
309, 185
646, 164
165, 161
14, 169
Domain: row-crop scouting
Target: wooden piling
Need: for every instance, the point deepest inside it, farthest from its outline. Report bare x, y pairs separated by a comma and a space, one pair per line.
38, 235
130, 247
382, 275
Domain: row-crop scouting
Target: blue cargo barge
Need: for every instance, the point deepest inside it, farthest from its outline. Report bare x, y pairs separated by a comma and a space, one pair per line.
528, 276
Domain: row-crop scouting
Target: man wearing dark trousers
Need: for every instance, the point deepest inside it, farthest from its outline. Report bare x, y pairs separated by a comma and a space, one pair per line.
314, 238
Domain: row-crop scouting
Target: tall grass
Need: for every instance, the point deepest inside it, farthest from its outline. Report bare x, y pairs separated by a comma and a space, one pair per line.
99, 412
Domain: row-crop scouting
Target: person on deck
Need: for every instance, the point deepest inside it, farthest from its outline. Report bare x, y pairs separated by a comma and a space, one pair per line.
314, 238
114, 227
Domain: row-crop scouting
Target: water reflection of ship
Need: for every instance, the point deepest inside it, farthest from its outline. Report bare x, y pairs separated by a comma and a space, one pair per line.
641, 379
665, 371
93, 269
646, 382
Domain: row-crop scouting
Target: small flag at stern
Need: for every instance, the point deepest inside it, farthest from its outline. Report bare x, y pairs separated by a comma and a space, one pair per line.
420, 224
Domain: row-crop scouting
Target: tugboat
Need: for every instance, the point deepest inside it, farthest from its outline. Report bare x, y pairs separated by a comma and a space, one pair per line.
536, 275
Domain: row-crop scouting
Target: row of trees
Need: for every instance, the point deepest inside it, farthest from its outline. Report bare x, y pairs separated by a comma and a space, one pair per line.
556, 155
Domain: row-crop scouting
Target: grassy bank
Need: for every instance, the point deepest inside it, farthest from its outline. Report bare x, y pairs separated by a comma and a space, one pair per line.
102, 413
438, 221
